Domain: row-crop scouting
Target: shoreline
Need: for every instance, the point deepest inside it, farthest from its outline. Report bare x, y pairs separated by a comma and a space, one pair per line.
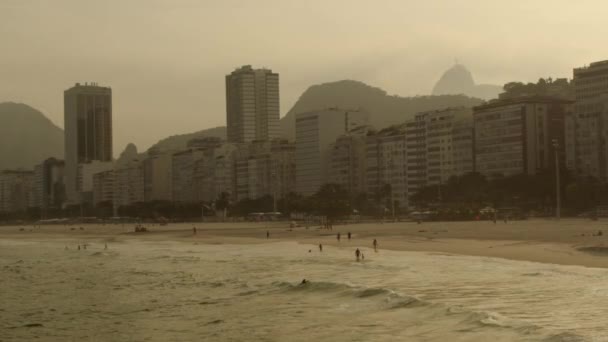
565, 242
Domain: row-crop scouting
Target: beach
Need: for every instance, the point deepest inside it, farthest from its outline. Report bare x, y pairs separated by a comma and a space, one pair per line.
534, 280
564, 242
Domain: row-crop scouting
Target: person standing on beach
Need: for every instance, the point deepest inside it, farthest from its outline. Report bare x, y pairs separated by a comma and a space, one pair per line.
348, 236
320, 248
338, 237
193, 230
375, 246
268, 234
358, 254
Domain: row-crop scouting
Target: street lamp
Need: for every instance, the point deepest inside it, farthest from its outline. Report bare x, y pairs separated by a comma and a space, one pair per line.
557, 182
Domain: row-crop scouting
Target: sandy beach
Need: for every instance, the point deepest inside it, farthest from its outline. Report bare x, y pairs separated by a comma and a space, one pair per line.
535, 280
564, 242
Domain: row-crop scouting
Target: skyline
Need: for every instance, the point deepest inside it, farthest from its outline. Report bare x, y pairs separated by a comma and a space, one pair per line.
171, 72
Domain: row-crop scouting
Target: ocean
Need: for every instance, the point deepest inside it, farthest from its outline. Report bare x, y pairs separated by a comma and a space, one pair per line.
179, 291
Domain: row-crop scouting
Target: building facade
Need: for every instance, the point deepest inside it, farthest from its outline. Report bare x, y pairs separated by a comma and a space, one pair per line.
182, 175
252, 105
48, 189
315, 133
386, 159
85, 179
88, 131
265, 168
103, 187
158, 178
516, 136
587, 125
128, 183
15, 190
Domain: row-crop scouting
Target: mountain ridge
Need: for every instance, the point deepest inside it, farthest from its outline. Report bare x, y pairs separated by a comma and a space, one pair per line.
27, 137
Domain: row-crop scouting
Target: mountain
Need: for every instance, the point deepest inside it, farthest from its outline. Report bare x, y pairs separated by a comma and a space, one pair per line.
180, 141
27, 137
459, 80
384, 109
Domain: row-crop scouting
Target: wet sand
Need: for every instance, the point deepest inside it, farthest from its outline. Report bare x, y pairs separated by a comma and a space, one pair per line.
565, 242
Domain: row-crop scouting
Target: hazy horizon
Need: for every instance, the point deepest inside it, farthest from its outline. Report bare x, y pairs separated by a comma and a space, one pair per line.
166, 61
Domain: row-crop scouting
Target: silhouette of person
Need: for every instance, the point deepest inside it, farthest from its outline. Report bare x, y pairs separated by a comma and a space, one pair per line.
358, 254
349, 236
320, 248
268, 234
375, 245
338, 237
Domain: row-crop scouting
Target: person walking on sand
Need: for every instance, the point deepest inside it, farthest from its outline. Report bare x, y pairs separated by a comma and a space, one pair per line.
320, 248
348, 236
193, 230
78, 247
375, 246
358, 254
338, 237
268, 234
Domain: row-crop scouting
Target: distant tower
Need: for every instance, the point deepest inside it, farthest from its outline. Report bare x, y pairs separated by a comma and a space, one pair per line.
88, 131
252, 105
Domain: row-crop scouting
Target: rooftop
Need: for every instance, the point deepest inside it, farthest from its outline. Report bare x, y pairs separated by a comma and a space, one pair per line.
521, 100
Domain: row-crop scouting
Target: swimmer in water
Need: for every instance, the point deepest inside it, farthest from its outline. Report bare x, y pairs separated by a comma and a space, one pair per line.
304, 281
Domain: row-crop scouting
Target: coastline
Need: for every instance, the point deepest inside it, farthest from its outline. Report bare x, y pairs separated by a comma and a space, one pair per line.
565, 242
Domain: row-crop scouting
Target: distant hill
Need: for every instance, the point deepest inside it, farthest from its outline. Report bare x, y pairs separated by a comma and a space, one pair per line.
459, 80
180, 141
384, 109
27, 137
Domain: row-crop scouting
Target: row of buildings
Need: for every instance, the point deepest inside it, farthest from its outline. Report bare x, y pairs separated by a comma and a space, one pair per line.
526, 133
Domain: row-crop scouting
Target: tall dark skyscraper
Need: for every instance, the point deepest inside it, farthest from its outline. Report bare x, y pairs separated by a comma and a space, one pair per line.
88, 130
252, 105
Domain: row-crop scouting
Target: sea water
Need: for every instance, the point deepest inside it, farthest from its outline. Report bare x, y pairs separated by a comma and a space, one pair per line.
179, 291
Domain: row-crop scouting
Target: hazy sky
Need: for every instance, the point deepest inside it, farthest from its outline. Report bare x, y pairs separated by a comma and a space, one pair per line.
166, 60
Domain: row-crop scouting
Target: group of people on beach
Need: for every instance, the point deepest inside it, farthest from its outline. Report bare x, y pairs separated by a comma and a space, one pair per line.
84, 247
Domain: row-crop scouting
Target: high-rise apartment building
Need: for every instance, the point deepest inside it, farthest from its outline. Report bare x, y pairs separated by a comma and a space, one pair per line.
449, 143
15, 190
386, 165
128, 183
590, 81
88, 131
252, 105
265, 168
587, 125
515, 136
348, 164
315, 133
48, 189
